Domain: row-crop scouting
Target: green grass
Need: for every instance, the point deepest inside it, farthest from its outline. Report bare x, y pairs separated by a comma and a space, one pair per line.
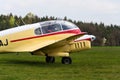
99, 63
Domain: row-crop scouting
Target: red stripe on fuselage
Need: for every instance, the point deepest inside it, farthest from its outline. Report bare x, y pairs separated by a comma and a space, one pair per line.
75, 32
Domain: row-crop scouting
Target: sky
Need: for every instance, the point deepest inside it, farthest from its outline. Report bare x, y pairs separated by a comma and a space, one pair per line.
106, 11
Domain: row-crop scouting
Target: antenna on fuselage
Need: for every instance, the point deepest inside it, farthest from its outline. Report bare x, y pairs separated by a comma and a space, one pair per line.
16, 24
23, 21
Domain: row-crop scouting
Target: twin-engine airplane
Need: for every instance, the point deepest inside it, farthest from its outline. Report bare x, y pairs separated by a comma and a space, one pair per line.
49, 38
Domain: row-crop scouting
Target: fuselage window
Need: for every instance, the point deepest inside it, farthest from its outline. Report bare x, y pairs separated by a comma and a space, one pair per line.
65, 27
68, 25
38, 31
51, 28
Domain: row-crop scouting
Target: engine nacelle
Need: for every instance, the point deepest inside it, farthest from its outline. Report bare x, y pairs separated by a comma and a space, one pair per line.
65, 50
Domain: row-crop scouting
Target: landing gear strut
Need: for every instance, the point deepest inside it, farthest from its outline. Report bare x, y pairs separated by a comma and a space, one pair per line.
50, 59
66, 60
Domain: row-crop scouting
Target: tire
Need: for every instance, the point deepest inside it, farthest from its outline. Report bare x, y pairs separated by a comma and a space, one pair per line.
50, 59
66, 60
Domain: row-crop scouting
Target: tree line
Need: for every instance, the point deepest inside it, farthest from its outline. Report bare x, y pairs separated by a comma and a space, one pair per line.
110, 33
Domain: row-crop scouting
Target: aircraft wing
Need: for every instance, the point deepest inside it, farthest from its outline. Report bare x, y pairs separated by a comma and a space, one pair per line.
61, 41
31, 44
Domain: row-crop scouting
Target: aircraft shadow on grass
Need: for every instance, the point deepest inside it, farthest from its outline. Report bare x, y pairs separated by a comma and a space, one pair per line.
29, 63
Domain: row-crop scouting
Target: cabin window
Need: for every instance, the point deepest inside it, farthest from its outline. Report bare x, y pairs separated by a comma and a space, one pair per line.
51, 28
65, 27
38, 31
68, 25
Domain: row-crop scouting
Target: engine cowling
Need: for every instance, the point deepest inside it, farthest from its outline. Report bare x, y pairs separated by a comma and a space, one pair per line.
81, 45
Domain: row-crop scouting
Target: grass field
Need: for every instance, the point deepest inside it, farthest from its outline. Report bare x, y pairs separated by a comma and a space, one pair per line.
99, 63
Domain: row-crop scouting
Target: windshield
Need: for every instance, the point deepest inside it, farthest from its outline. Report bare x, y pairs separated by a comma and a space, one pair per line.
54, 26
68, 25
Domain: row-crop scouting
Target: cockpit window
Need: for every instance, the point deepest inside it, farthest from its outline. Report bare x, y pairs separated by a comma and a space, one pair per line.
51, 28
68, 25
38, 31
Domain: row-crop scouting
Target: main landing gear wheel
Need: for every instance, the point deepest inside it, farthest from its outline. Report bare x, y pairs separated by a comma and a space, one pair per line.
66, 60
50, 59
